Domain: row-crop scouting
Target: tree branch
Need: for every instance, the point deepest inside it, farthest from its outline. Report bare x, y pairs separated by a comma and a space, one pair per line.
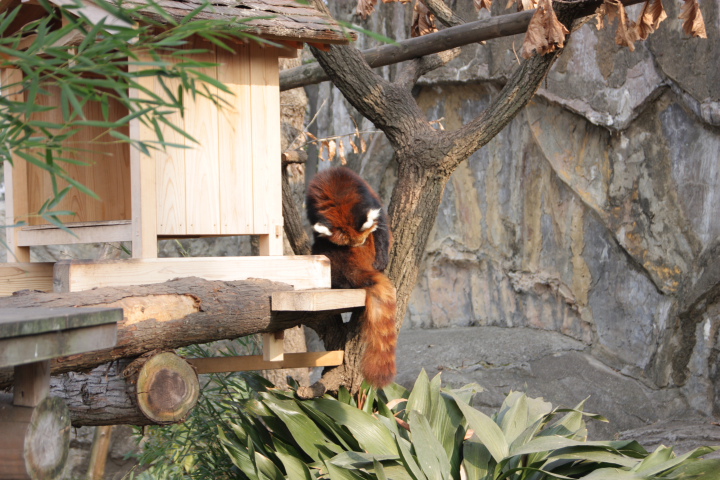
473, 32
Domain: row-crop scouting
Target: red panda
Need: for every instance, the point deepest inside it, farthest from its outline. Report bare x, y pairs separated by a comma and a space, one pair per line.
351, 228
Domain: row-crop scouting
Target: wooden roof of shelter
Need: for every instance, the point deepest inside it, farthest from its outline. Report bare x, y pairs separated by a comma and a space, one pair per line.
287, 21
276, 19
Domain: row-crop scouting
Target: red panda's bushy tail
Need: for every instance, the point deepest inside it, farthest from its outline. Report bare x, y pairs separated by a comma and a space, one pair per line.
378, 332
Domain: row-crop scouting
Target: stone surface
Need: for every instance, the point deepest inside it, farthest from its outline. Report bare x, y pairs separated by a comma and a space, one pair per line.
592, 216
557, 368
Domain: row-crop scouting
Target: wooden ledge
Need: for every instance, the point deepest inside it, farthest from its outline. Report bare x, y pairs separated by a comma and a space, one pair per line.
83, 232
255, 362
317, 300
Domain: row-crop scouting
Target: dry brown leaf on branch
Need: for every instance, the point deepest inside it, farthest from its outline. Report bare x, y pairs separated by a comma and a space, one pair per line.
652, 15
694, 24
341, 152
523, 4
626, 34
480, 4
365, 7
545, 33
354, 147
322, 148
600, 15
332, 148
423, 20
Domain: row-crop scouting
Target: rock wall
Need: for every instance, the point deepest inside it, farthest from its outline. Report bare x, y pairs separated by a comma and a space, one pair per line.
595, 213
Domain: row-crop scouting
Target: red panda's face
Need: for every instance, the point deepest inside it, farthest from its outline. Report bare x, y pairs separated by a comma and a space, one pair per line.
349, 236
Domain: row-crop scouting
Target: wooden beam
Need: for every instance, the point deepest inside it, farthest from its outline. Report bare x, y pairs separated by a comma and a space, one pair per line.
25, 276
303, 272
46, 346
82, 232
274, 346
256, 362
318, 300
32, 383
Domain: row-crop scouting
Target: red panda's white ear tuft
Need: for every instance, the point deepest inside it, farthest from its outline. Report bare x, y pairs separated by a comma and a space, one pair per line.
371, 217
322, 230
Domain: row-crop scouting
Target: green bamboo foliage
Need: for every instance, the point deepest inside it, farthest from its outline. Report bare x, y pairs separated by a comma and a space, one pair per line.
432, 433
103, 68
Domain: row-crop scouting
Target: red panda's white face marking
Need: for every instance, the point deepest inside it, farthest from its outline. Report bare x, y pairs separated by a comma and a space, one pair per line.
350, 237
372, 217
322, 230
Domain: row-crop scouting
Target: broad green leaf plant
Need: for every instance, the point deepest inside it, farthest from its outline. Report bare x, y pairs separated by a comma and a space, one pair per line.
104, 67
429, 433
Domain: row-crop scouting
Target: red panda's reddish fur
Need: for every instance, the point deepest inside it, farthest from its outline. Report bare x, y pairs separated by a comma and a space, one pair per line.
339, 201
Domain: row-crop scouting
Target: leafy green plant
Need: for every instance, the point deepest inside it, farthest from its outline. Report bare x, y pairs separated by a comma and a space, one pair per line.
192, 449
429, 433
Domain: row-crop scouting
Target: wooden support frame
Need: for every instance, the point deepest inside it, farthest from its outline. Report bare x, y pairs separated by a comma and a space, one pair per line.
302, 271
256, 362
32, 383
319, 300
26, 275
82, 232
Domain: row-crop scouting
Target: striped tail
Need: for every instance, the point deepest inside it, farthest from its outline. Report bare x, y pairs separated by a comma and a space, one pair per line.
379, 333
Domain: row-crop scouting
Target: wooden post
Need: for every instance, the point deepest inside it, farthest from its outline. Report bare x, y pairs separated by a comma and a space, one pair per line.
15, 175
99, 452
32, 383
143, 191
34, 443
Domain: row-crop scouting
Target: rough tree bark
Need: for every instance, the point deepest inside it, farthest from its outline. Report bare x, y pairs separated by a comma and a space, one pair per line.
426, 158
165, 316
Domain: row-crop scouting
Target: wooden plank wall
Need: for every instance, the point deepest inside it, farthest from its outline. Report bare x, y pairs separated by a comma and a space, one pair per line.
108, 172
232, 177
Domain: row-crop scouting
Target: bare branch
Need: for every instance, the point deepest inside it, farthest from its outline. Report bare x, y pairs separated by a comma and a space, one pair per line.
447, 39
416, 68
444, 13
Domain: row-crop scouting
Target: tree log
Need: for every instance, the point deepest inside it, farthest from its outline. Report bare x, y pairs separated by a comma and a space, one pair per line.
164, 387
167, 316
153, 389
34, 441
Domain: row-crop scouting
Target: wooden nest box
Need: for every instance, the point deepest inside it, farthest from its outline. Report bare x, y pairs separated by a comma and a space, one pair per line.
228, 184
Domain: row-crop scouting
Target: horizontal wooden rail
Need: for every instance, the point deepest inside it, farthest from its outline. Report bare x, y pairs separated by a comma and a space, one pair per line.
255, 362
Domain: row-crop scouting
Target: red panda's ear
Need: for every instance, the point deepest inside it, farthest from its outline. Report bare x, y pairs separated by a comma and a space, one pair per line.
372, 215
322, 230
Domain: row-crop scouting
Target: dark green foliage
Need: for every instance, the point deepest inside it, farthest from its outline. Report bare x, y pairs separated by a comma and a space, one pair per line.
431, 433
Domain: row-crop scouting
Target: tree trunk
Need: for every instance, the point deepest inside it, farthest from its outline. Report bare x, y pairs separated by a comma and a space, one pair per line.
166, 316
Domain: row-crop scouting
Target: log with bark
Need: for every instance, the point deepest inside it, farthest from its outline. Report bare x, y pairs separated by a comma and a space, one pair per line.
157, 317
34, 441
156, 388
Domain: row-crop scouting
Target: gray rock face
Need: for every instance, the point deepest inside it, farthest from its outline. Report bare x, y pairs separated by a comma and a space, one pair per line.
594, 215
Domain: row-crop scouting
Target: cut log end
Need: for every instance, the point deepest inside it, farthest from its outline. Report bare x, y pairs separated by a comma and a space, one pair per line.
35, 440
167, 388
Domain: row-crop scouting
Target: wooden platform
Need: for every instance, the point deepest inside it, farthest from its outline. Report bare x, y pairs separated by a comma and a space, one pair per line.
273, 357
30, 335
317, 300
22, 276
302, 272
